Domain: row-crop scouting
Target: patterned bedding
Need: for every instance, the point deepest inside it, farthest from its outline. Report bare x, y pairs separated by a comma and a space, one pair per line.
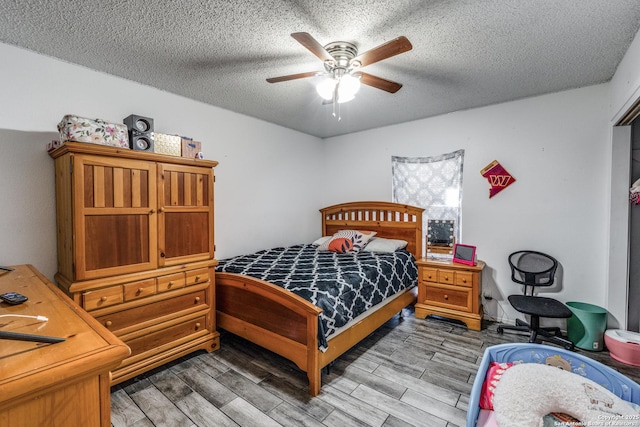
342, 285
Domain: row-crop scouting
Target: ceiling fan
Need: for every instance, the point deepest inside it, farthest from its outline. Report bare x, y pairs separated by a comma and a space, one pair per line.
342, 66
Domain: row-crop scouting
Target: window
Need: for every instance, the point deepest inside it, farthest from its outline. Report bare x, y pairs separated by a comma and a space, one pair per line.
432, 183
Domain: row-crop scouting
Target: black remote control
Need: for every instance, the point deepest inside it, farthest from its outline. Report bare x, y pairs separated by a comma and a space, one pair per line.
13, 298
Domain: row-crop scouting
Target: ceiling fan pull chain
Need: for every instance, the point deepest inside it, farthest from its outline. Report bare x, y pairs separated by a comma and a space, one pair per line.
335, 99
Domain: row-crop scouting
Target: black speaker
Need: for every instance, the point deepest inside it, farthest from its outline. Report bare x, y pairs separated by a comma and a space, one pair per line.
140, 132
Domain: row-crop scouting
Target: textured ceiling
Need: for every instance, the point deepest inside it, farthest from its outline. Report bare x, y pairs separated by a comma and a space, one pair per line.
466, 53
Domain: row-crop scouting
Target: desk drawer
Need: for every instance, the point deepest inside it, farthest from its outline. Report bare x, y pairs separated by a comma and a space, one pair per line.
134, 316
452, 297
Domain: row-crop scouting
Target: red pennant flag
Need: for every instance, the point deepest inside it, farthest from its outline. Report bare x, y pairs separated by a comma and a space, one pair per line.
498, 177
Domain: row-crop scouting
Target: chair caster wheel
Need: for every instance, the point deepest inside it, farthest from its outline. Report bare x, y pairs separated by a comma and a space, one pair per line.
500, 330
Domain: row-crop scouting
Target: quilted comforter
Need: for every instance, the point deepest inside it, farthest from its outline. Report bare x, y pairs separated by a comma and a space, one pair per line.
342, 285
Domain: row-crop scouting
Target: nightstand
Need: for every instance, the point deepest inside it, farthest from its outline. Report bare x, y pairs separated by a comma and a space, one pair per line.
450, 290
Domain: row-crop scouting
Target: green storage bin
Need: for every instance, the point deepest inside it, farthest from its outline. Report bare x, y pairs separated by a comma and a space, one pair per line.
587, 325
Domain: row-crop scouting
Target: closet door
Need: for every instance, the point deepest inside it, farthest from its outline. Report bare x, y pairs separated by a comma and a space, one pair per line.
185, 207
115, 217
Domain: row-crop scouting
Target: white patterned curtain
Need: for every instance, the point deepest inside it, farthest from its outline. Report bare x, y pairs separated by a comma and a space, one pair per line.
432, 183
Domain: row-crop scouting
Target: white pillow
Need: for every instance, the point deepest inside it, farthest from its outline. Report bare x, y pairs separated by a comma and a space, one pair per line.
528, 391
321, 240
380, 244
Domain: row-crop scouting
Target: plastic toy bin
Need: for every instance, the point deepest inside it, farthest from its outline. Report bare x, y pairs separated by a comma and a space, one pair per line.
586, 327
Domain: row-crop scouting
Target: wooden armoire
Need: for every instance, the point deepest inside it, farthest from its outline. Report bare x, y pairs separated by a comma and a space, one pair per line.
136, 248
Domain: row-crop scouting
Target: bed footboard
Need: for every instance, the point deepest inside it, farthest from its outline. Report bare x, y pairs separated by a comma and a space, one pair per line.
287, 324
271, 317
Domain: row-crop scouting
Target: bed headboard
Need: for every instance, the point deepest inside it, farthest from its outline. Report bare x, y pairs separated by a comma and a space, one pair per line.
390, 220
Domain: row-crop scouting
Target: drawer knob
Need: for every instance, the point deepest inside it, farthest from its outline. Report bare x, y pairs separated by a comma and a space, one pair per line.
446, 296
429, 276
140, 290
103, 299
108, 323
197, 325
197, 299
197, 278
170, 284
464, 280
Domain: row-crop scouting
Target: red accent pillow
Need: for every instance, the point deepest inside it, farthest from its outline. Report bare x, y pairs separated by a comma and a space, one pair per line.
347, 241
491, 380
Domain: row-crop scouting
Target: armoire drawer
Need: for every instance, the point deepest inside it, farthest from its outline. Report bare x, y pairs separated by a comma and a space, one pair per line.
101, 298
140, 289
165, 336
134, 316
199, 275
171, 282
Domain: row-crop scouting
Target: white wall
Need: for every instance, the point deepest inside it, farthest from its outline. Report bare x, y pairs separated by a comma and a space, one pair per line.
266, 182
556, 148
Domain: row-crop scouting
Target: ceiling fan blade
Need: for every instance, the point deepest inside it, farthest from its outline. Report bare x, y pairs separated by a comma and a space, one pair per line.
292, 77
379, 83
384, 51
307, 40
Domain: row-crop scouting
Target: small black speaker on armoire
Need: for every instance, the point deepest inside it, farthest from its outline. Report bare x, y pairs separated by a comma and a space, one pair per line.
140, 132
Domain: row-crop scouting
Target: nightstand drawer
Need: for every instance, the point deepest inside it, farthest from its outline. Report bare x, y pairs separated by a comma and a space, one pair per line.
446, 277
429, 274
463, 278
449, 297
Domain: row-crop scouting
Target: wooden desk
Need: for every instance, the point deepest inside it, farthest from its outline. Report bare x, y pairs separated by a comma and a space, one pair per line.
62, 384
451, 290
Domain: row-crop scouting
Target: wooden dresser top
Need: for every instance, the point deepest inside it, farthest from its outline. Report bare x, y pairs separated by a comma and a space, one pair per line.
26, 367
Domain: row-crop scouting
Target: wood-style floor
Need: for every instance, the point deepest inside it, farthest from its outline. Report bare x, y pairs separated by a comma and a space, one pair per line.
411, 372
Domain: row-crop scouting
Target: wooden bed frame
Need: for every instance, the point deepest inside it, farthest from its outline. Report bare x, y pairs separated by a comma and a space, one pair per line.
286, 324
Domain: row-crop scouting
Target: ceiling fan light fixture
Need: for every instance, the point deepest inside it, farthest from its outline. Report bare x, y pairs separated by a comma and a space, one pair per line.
326, 87
347, 87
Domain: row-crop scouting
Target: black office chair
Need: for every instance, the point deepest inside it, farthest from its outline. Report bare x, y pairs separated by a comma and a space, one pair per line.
533, 269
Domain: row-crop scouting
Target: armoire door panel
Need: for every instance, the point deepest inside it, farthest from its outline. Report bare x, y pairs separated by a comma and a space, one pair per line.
116, 240
185, 220
189, 236
116, 224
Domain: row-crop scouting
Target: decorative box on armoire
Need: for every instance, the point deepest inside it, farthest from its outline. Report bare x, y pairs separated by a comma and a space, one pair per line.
136, 248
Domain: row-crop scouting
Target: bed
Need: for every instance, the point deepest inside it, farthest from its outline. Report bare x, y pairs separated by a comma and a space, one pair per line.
287, 324
582, 392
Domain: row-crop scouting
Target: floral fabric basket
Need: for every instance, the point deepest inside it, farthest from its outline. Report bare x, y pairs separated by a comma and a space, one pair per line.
96, 131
